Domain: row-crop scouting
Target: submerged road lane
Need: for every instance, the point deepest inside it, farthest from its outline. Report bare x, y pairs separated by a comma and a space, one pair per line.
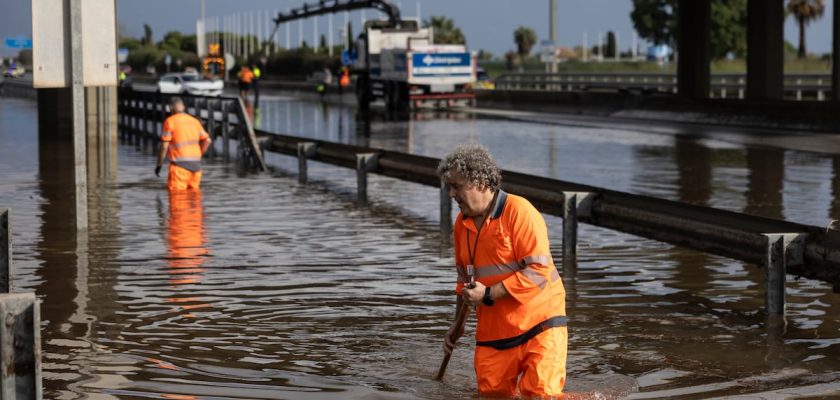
266, 289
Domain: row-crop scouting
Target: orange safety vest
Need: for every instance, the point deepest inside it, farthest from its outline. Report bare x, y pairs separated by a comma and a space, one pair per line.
184, 133
511, 248
345, 79
245, 75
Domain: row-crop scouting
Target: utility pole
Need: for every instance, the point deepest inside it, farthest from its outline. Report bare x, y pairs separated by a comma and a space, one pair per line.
552, 29
330, 37
78, 98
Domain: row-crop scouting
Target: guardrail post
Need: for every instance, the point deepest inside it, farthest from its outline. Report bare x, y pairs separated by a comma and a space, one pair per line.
445, 211
20, 347
145, 115
575, 205
364, 162
211, 117
783, 249
5, 250
225, 131
304, 151
798, 89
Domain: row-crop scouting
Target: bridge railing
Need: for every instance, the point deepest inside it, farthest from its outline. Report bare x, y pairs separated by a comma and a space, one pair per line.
781, 247
801, 86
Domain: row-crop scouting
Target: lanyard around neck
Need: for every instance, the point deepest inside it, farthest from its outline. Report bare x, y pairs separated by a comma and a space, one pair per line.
472, 252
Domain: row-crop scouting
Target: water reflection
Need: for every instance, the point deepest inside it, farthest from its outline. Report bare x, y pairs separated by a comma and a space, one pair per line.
766, 168
186, 244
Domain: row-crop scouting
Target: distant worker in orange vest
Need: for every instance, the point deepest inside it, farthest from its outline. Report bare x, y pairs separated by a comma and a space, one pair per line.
505, 270
344, 80
246, 77
185, 141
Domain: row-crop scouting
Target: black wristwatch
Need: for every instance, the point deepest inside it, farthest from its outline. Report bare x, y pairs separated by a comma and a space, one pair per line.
487, 300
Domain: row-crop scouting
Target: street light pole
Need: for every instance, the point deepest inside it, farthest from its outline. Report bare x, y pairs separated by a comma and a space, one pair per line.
552, 29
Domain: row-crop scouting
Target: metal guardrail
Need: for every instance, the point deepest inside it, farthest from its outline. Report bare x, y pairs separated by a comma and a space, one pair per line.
803, 86
222, 116
779, 246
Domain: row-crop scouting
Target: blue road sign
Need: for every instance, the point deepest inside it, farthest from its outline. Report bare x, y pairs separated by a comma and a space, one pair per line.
348, 57
19, 42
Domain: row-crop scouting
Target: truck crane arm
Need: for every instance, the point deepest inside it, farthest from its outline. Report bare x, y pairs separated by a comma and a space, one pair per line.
331, 6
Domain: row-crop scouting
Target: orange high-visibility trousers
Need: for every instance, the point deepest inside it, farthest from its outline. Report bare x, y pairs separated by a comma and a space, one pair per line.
181, 178
541, 360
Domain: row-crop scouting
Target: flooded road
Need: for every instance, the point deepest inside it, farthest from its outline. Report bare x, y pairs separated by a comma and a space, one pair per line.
261, 288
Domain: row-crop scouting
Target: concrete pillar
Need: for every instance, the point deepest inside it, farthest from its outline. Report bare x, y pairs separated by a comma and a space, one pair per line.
693, 47
101, 126
20, 347
765, 52
835, 51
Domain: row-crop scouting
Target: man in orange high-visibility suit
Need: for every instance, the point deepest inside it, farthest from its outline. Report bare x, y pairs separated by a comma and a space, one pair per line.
185, 140
521, 336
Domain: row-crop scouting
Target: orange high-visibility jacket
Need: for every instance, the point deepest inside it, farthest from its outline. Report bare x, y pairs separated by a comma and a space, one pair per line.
245, 75
184, 133
513, 249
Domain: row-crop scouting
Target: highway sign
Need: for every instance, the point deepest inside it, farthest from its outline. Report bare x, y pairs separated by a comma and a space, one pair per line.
19, 42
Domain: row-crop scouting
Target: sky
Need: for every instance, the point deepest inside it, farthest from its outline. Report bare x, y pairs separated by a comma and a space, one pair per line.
487, 24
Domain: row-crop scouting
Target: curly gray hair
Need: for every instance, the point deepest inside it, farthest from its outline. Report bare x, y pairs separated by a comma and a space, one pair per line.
474, 163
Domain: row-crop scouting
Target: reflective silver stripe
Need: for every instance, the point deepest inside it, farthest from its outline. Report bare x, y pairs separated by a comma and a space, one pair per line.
538, 279
166, 135
485, 271
186, 143
186, 159
528, 260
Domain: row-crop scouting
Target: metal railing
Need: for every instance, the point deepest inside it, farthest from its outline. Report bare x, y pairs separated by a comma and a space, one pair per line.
779, 246
802, 86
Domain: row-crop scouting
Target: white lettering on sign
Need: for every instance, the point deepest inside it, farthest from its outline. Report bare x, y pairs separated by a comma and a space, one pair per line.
430, 59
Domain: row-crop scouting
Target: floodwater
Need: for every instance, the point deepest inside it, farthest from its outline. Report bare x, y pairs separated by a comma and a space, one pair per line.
261, 288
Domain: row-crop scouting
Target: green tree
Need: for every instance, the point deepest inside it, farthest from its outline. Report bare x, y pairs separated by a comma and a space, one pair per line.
612, 46
323, 44
525, 38
484, 55
445, 30
656, 21
805, 11
351, 41
147, 35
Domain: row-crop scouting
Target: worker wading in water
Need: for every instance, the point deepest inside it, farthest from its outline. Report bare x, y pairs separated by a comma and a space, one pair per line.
185, 141
520, 302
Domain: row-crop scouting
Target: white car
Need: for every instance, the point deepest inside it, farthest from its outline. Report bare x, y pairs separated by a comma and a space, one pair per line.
189, 83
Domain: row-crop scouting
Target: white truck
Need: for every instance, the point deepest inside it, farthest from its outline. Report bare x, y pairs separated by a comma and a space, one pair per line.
403, 66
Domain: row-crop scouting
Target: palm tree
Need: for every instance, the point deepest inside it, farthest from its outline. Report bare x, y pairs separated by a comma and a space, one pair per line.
445, 30
805, 11
525, 39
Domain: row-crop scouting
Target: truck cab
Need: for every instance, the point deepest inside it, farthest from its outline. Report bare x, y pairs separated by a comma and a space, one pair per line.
403, 66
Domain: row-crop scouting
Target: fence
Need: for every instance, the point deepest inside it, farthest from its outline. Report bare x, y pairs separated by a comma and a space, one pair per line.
813, 86
781, 247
